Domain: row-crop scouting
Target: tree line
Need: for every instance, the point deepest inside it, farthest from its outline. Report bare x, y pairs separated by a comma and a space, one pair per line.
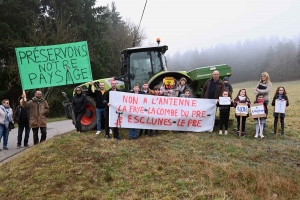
248, 59
25, 23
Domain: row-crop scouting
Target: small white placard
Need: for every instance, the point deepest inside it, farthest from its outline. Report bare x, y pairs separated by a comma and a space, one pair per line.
224, 100
280, 106
258, 109
241, 109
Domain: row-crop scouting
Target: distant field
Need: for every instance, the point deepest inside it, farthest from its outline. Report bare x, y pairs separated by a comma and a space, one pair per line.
166, 166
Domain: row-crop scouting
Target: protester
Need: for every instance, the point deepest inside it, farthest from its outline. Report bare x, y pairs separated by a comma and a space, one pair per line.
224, 113
38, 109
156, 92
22, 118
186, 94
213, 87
100, 107
107, 104
133, 131
145, 90
281, 95
264, 86
262, 120
227, 85
79, 107
6, 117
182, 86
241, 98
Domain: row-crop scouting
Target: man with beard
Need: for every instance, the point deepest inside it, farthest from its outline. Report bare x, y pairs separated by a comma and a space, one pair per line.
38, 109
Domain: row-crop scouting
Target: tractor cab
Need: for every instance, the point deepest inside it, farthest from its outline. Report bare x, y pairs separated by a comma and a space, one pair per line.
140, 64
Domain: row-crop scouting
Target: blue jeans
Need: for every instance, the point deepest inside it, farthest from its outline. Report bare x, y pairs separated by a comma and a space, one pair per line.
132, 133
99, 113
23, 126
4, 132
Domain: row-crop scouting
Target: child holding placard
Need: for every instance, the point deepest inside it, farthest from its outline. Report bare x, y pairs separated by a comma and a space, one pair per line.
241, 98
224, 111
261, 120
280, 95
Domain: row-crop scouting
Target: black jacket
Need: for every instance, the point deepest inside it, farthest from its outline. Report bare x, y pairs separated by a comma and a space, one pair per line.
106, 98
79, 103
224, 108
98, 96
17, 115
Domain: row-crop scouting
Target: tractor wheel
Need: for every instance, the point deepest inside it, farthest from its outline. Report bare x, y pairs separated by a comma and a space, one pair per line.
89, 119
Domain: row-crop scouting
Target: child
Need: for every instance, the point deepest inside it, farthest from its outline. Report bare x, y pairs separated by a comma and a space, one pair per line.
133, 131
224, 113
228, 85
280, 94
241, 98
145, 90
182, 86
187, 94
262, 120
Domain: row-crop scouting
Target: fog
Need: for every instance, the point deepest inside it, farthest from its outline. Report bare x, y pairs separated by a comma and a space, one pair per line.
249, 35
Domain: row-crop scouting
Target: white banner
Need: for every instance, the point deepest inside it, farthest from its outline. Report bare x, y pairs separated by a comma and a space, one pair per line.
140, 111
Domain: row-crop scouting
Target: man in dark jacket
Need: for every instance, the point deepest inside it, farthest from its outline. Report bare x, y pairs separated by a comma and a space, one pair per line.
99, 98
22, 118
213, 87
107, 104
79, 107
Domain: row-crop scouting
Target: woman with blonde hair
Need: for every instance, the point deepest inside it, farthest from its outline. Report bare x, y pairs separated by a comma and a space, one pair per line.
6, 117
264, 86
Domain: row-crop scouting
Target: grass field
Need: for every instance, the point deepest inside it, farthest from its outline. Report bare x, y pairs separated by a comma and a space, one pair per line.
167, 166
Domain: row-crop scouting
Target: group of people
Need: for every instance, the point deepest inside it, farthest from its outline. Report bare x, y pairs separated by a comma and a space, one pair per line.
30, 114
262, 92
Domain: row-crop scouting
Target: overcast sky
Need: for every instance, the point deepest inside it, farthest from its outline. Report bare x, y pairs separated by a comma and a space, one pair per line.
190, 24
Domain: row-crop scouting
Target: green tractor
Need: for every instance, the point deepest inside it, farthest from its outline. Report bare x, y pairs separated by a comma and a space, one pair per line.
146, 64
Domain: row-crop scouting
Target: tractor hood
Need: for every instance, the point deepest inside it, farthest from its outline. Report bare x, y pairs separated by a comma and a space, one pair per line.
158, 78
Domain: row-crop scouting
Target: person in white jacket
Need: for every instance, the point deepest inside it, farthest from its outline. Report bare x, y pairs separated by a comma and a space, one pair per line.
6, 117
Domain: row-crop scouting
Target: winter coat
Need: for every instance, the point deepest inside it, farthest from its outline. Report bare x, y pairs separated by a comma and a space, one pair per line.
106, 98
236, 101
273, 104
224, 108
228, 87
37, 112
98, 96
79, 103
264, 88
17, 115
219, 89
3, 115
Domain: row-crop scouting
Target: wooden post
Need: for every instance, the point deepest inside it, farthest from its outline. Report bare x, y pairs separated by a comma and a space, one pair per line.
277, 124
241, 117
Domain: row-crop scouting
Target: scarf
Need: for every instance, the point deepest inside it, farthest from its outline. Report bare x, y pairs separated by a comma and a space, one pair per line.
181, 88
242, 98
7, 116
37, 99
280, 96
261, 101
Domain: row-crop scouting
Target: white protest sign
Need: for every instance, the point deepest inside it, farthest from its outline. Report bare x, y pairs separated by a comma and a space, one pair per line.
241, 109
224, 101
140, 111
280, 106
257, 110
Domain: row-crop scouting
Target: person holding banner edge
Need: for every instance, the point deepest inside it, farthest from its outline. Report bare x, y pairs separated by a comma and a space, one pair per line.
38, 109
241, 120
79, 103
280, 95
107, 104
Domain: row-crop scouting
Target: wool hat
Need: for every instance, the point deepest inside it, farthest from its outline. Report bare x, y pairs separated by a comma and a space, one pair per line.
225, 78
